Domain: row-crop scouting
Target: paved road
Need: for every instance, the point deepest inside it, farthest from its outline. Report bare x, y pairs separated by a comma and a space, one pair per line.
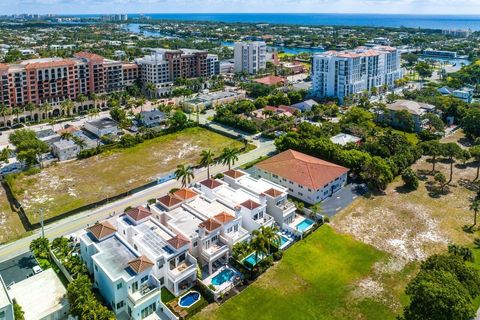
76, 222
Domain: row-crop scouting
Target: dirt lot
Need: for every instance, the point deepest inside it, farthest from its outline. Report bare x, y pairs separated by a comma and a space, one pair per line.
64, 187
410, 226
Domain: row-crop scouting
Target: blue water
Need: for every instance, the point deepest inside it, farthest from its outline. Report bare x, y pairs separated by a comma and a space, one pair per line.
289, 50
283, 241
189, 299
223, 277
304, 225
347, 19
251, 259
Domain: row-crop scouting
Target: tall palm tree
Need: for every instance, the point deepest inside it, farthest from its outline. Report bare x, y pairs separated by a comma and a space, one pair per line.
207, 159
46, 107
66, 135
229, 156
17, 111
81, 99
3, 111
475, 152
95, 97
184, 174
79, 142
30, 107
151, 88
271, 236
259, 244
67, 106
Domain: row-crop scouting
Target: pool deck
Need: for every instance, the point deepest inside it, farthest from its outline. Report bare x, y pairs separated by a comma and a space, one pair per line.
224, 286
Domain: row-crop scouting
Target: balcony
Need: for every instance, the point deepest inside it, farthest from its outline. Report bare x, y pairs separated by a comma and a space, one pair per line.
146, 291
183, 268
214, 251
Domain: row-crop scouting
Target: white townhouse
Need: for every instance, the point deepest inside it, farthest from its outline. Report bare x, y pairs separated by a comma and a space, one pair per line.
278, 206
122, 275
342, 73
307, 178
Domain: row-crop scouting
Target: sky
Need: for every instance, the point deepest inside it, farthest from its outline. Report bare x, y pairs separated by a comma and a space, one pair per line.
241, 6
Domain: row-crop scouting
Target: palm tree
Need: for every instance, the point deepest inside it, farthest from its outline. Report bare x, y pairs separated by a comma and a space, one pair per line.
46, 107
259, 244
5, 154
81, 99
151, 88
452, 151
229, 156
185, 174
17, 112
66, 135
207, 158
271, 236
95, 97
30, 107
79, 142
475, 207
314, 210
475, 152
4, 110
67, 106
52, 122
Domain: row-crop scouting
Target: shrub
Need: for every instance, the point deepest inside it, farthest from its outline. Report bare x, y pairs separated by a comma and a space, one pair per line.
277, 255
410, 179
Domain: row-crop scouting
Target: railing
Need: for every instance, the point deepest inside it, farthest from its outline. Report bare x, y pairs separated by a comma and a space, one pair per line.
145, 291
186, 266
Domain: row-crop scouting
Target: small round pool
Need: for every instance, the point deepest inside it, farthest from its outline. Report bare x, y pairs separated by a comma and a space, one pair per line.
189, 299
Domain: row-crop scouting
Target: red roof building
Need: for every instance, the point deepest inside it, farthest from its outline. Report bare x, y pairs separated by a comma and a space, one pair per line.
307, 178
102, 230
271, 81
140, 264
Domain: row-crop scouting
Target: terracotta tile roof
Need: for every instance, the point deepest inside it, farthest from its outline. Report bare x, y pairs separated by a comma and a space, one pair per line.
185, 194
69, 129
211, 183
234, 174
102, 229
169, 200
140, 264
271, 80
3, 67
89, 56
138, 213
50, 64
178, 241
273, 192
210, 224
303, 169
224, 217
250, 204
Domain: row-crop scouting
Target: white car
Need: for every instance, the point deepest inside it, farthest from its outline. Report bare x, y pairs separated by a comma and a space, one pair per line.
37, 269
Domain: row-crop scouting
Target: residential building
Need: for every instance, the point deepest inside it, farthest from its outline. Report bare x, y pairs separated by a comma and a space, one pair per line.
250, 56
48, 136
459, 33
414, 108
212, 100
307, 178
65, 150
6, 303
343, 139
306, 105
124, 277
284, 111
465, 94
340, 74
130, 74
101, 127
282, 210
153, 118
442, 54
272, 81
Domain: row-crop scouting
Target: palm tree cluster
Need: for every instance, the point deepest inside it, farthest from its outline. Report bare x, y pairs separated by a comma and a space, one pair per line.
185, 173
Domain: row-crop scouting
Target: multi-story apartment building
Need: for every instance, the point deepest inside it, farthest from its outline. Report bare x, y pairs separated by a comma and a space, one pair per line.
130, 74
343, 73
163, 67
250, 56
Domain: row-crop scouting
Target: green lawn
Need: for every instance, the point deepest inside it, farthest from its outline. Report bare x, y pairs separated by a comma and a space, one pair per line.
64, 187
316, 279
10, 225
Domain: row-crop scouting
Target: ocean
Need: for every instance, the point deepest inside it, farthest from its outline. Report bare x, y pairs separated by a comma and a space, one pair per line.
374, 20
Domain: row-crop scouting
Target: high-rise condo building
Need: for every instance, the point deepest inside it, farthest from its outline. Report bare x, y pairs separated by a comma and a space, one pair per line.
250, 56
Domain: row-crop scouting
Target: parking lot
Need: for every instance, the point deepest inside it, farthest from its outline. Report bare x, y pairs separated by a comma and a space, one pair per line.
17, 269
343, 198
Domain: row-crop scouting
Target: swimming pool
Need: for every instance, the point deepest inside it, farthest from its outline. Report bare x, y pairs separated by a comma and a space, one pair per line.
224, 276
252, 260
283, 241
189, 299
304, 225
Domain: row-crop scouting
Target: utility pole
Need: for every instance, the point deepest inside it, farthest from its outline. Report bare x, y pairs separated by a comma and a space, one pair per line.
41, 223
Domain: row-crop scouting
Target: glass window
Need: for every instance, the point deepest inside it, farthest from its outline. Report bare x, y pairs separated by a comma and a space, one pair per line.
119, 286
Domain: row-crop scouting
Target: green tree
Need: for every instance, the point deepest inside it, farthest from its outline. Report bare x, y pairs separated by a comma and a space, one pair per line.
471, 123
377, 173
405, 120
410, 179
184, 174
271, 237
475, 153
207, 159
423, 69
475, 206
441, 180
118, 114
432, 148
30, 107
27, 145
229, 156
452, 151
178, 120
259, 244
18, 312
434, 123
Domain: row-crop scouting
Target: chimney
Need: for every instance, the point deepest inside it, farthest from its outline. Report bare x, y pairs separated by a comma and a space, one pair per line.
237, 211
263, 199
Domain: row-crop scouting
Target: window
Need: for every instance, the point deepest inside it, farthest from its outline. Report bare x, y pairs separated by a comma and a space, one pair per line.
300, 194
120, 304
2, 315
162, 280
96, 268
214, 238
134, 287
144, 279
148, 310
119, 286
195, 244
160, 264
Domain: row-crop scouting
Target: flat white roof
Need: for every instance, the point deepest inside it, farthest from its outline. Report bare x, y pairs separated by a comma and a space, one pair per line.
258, 186
234, 197
4, 298
209, 208
40, 295
184, 221
114, 257
154, 238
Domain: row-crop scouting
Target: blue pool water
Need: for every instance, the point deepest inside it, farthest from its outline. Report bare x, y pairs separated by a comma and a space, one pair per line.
283, 241
189, 299
223, 277
304, 225
251, 259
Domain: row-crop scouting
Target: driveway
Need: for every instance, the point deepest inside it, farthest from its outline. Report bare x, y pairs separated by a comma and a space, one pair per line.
343, 198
